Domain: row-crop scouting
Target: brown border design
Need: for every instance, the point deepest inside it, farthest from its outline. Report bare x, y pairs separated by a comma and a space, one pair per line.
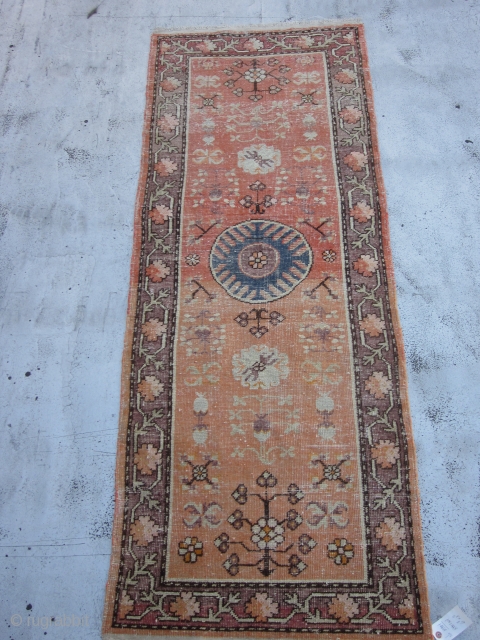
416, 572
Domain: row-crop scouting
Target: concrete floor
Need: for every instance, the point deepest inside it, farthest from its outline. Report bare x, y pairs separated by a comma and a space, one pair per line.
71, 113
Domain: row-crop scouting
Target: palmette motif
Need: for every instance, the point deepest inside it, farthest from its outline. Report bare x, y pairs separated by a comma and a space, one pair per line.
287, 228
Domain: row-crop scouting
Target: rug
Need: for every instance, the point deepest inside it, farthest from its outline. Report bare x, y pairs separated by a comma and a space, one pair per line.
266, 482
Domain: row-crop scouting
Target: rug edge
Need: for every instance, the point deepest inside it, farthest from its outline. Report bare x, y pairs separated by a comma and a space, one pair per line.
402, 360
119, 486
258, 28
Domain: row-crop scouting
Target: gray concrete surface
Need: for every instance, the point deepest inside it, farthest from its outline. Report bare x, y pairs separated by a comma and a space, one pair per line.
71, 112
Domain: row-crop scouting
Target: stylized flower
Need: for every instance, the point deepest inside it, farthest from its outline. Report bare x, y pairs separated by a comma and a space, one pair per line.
170, 84
306, 543
208, 125
306, 77
303, 154
260, 367
372, 325
362, 212
157, 271
231, 564
310, 135
378, 385
305, 60
210, 156
257, 260
125, 605
185, 606
168, 123
267, 534
153, 329
207, 82
332, 471
222, 542
192, 259
345, 76
329, 255
206, 46
266, 479
254, 44
255, 74
259, 159
240, 494
190, 549
390, 533
293, 519
262, 428
295, 494
340, 551
385, 453
261, 607
349, 37
147, 459
295, 565
236, 519
343, 608
350, 115
304, 42
407, 608
150, 388
144, 530
160, 214
165, 167
356, 160
366, 265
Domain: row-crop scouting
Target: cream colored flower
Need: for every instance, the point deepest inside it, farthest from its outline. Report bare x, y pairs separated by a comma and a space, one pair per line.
144, 530
390, 533
385, 453
372, 325
343, 608
261, 607
150, 388
378, 385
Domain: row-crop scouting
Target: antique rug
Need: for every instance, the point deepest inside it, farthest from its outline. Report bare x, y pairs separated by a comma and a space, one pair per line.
266, 482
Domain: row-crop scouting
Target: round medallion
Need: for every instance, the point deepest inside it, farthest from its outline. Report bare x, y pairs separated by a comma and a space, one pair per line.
260, 260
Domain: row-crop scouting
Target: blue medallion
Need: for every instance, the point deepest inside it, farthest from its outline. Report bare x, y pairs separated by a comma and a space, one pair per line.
260, 260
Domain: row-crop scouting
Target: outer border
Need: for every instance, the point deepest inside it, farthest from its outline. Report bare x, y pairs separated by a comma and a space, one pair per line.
109, 633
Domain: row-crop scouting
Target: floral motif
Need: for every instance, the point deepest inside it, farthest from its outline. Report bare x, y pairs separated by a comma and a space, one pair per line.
329, 255
208, 82
407, 608
208, 156
153, 329
260, 367
126, 605
168, 122
267, 534
150, 388
144, 530
170, 84
366, 265
385, 453
202, 334
390, 533
160, 214
305, 42
206, 46
257, 260
190, 549
356, 160
378, 385
261, 607
254, 44
165, 167
312, 154
259, 159
157, 271
343, 608
372, 325
362, 212
345, 76
351, 115
340, 551
185, 606
192, 259
147, 459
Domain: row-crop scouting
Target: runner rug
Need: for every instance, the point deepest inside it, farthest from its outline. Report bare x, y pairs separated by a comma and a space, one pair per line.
266, 482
